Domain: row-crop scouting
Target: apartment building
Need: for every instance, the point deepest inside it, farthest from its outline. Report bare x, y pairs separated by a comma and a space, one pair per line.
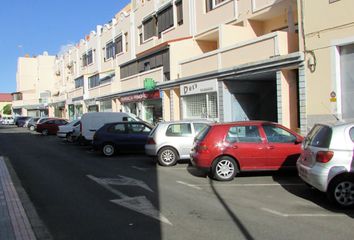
224, 60
329, 46
35, 80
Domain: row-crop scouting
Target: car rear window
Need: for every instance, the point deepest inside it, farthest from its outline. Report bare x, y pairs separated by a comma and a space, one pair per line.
179, 130
199, 127
202, 134
319, 136
243, 134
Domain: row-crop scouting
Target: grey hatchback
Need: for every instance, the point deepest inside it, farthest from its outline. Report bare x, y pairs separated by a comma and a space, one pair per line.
172, 141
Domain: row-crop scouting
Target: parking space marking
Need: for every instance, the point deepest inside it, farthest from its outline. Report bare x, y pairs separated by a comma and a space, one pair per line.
280, 214
141, 169
189, 185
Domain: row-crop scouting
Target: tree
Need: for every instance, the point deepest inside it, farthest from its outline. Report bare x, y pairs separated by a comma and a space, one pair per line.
7, 109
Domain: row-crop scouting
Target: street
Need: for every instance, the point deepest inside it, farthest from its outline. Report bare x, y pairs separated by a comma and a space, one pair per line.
80, 194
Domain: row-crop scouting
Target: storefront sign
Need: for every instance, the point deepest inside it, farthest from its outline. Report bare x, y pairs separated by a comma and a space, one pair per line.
149, 84
140, 97
199, 87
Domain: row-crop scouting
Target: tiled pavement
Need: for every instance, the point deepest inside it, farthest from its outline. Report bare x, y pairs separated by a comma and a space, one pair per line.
14, 223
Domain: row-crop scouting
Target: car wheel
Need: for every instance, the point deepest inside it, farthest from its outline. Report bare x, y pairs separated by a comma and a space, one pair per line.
45, 132
341, 192
167, 156
224, 169
69, 137
31, 128
108, 149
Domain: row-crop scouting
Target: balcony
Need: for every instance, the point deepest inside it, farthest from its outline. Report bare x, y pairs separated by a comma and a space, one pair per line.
99, 91
137, 81
78, 92
257, 49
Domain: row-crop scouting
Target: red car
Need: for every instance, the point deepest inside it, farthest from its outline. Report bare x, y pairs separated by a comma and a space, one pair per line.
225, 149
50, 126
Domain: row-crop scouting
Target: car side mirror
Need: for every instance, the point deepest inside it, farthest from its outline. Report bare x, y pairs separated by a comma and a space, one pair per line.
298, 141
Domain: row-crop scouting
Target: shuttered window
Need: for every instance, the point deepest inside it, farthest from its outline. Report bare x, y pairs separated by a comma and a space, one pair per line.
200, 106
179, 9
149, 28
118, 45
165, 19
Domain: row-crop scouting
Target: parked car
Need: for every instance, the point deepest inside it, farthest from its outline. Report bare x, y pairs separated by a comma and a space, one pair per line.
50, 126
225, 149
7, 120
172, 141
92, 121
21, 120
70, 131
121, 136
327, 161
31, 123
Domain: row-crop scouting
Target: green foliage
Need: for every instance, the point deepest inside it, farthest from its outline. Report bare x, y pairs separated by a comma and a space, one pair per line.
7, 109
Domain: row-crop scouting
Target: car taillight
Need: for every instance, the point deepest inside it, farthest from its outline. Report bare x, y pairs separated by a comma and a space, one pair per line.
201, 147
324, 156
150, 141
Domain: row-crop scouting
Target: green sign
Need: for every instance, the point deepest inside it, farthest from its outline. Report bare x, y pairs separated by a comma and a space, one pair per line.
149, 84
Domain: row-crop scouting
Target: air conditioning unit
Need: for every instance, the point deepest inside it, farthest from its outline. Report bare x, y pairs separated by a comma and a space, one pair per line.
57, 73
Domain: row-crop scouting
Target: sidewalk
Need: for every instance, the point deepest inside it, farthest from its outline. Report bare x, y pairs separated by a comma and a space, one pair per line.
14, 223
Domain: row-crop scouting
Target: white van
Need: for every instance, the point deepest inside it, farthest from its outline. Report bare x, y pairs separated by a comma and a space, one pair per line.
92, 121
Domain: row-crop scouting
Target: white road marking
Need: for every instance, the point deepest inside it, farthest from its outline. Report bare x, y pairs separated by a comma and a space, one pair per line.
189, 185
139, 204
280, 214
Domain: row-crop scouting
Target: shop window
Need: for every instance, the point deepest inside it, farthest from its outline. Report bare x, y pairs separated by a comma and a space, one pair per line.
106, 106
200, 106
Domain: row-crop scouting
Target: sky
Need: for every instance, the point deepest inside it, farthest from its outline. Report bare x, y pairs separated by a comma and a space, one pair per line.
34, 26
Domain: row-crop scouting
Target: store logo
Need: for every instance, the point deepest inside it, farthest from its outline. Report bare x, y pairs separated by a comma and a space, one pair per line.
190, 88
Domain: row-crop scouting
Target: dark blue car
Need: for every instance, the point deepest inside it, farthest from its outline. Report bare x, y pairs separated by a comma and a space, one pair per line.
21, 120
121, 137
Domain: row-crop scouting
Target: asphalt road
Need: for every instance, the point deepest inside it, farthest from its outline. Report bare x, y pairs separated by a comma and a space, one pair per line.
79, 194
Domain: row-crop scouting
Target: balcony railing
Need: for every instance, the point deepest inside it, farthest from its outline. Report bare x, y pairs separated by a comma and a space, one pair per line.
137, 81
258, 49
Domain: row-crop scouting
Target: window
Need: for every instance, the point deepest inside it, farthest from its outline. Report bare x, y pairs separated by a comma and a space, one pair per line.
149, 28
179, 8
211, 4
87, 58
94, 81
278, 135
140, 34
126, 41
200, 106
179, 130
79, 82
165, 19
247, 134
199, 126
117, 128
138, 128
347, 83
319, 136
118, 45
110, 51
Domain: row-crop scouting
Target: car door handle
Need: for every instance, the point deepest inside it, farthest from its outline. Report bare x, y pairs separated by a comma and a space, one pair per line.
234, 147
270, 147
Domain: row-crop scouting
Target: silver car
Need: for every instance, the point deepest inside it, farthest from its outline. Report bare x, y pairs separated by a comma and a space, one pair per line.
327, 161
172, 141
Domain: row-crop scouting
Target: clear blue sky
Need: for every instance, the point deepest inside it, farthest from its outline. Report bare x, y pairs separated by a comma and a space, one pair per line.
35, 26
